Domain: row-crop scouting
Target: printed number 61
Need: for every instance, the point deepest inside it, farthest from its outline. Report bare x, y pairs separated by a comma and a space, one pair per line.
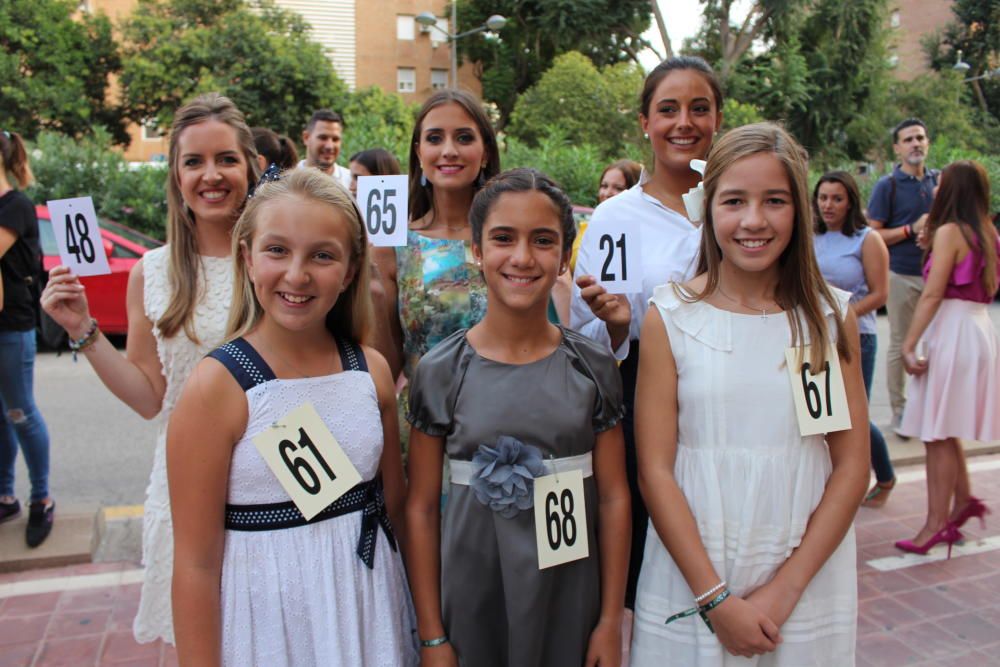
299, 467
375, 212
812, 392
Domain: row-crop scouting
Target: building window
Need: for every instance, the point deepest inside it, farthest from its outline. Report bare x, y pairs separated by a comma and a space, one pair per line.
439, 79
406, 79
405, 27
437, 36
150, 131
894, 19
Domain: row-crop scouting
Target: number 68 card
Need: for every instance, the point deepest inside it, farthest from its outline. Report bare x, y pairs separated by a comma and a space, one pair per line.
307, 460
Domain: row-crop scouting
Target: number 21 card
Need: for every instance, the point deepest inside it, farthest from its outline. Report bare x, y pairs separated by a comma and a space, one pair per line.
78, 236
615, 255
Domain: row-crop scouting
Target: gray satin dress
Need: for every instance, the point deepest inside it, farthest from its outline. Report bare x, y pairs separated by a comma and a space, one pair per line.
499, 609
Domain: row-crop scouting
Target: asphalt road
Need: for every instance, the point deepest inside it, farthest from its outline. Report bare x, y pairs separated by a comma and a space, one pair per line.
102, 452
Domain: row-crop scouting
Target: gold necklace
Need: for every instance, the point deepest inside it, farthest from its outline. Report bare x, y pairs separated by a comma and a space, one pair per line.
763, 311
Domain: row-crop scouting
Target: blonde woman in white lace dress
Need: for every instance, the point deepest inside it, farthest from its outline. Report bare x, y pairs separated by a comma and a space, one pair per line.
178, 300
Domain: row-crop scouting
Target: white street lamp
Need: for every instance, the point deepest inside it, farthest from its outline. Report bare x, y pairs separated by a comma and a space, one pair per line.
494, 23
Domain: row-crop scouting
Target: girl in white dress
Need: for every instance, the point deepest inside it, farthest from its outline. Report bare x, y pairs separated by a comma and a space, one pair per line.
255, 582
752, 552
178, 299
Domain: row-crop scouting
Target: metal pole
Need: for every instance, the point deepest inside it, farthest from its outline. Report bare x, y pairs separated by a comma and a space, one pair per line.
454, 46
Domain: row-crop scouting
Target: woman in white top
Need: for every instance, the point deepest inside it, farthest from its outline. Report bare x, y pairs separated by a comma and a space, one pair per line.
178, 299
681, 112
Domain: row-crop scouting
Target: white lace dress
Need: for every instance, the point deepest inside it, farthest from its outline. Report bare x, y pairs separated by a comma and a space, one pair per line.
301, 596
178, 355
752, 482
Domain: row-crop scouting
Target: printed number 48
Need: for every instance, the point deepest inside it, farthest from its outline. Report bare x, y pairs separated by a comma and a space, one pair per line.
84, 245
812, 392
608, 241
377, 208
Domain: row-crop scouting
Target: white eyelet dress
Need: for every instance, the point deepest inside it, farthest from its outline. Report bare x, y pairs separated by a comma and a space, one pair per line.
751, 482
178, 356
332, 591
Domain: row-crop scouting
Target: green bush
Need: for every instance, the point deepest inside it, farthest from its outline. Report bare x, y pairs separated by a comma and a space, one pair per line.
66, 167
576, 167
376, 119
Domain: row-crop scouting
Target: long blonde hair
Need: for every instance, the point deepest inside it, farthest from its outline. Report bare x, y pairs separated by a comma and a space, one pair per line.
351, 316
801, 288
184, 267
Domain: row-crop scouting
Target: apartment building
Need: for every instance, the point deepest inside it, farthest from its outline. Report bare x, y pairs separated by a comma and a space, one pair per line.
910, 21
370, 43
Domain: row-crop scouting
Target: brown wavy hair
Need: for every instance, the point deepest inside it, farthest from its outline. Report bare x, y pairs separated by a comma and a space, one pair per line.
14, 158
801, 288
421, 197
855, 220
351, 316
964, 198
184, 268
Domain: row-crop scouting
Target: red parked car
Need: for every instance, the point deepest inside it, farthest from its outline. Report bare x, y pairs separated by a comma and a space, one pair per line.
105, 294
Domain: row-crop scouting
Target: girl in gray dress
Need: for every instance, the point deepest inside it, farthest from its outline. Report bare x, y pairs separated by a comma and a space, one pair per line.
516, 402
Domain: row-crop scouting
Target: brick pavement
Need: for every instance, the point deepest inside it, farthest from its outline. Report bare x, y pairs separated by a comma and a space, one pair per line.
940, 613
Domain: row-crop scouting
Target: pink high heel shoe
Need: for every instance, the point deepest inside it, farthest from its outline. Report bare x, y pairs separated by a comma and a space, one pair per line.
974, 508
950, 534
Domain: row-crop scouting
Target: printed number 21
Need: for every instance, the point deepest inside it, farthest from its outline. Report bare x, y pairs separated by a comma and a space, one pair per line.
812, 392
610, 243
85, 244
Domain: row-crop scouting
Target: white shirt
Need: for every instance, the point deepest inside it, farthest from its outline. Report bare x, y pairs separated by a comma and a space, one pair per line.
342, 174
669, 250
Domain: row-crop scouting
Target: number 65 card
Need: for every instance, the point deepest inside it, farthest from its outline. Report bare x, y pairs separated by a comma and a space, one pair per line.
78, 236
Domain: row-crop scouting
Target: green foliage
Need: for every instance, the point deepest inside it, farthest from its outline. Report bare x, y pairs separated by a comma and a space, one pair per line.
54, 69
575, 166
607, 31
736, 114
377, 119
937, 100
65, 167
256, 53
575, 99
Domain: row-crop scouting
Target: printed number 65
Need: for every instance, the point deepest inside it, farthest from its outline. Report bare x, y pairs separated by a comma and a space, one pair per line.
375, 212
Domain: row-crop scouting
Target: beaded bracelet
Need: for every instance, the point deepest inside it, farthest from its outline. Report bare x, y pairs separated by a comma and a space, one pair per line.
702, 610
431, 643
86, 340
714, 589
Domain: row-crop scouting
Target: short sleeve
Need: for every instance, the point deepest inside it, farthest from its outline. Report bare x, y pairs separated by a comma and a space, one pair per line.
435, 384
19, 215
878, 203
600, 366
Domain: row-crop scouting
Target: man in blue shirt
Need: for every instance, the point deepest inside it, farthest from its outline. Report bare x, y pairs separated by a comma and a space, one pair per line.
898, 202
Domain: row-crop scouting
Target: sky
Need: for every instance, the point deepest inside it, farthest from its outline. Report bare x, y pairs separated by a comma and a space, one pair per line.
683, 19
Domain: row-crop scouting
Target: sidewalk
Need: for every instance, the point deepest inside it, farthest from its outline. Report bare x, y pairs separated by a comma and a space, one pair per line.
914, 610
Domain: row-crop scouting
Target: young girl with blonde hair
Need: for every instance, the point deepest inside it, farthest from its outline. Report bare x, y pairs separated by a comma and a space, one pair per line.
255, 582
178, 299
752, 519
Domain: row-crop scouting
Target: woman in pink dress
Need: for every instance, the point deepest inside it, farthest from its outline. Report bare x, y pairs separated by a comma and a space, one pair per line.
953, 351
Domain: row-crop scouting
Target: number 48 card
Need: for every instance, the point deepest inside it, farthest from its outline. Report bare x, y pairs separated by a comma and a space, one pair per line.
78, 236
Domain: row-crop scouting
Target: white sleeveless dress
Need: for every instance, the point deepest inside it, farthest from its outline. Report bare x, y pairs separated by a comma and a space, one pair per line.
301, 596
178, 355
752, 482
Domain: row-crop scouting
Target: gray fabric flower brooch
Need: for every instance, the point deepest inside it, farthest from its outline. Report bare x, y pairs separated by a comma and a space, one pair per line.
504, 477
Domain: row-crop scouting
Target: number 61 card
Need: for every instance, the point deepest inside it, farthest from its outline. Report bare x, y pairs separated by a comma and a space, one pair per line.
78, 236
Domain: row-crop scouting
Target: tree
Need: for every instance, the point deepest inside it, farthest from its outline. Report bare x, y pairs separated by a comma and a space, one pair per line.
976, 33
254, 52
54, 70
377, 119
576, 100
606, 31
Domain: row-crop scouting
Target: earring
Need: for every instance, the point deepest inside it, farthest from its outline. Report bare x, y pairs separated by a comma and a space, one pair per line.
423, 179
480, 179
645, 135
